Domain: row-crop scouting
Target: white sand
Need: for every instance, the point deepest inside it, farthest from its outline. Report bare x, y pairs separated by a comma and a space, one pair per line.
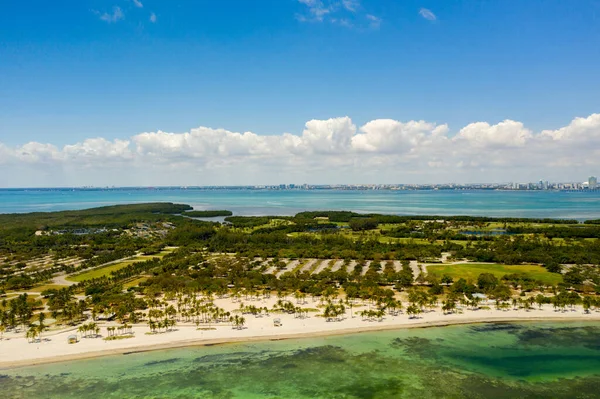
16, 351
337, 265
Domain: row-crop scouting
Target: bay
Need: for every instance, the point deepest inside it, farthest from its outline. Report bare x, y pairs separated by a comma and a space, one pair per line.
534, 204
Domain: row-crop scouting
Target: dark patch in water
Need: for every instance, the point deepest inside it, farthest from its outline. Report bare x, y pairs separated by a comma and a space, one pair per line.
528, 365
159, 362
228, 358
323, 354
417, 346
566, 336
289, 366
371, 389
496, 327
593, 346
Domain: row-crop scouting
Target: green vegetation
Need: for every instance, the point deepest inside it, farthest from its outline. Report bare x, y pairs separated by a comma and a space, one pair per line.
110, 269
109, 216
207, 214
124, 263
471, 272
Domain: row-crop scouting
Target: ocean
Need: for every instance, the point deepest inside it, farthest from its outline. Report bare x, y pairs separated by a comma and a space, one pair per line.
500, 360
534, 204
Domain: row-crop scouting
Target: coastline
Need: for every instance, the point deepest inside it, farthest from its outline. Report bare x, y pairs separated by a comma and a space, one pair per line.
183, 339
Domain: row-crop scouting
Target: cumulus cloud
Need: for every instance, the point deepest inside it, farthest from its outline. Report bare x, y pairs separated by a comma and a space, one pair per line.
116, 15
582, 130
97, 149
153, 18
504, 134
325, 151
427, 14
387, 136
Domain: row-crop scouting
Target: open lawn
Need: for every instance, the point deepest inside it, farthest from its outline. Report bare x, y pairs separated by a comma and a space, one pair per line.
135, 282
106, 270
471, 271
45, 287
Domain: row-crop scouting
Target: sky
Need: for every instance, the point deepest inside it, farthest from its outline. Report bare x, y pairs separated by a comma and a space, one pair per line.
244, 92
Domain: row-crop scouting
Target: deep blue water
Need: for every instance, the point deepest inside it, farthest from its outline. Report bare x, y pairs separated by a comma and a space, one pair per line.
546, 204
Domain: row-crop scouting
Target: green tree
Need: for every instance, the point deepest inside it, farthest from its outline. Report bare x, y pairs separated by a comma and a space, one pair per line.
487, 282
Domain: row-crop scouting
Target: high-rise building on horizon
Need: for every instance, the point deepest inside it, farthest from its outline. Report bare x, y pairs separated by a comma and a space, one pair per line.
592, 183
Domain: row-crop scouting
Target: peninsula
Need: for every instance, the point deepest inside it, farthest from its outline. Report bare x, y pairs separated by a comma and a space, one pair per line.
137, 277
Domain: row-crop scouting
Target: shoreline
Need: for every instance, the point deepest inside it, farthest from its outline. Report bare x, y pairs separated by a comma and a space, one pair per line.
202, 342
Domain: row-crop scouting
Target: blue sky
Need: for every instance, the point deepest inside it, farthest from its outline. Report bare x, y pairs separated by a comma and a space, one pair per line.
75, 70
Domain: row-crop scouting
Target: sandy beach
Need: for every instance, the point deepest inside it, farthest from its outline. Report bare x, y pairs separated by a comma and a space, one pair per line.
16, 351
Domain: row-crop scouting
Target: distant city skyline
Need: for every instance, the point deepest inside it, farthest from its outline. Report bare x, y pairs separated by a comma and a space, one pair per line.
316, 91
590, 184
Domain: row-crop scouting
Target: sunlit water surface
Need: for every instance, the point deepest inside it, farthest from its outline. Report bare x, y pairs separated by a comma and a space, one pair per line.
535, 204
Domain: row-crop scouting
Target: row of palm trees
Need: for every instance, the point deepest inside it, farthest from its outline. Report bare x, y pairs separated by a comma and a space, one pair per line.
88, 328
167, 324
113, 331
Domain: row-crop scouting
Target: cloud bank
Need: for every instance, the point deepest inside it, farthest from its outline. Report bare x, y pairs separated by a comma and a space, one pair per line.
326, 151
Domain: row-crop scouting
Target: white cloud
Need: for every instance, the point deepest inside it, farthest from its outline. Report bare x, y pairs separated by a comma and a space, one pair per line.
317, 9
40, 153
505, 134
325, 151
347, 13
332, 136
374, 22
427, 14
116, 15
97, 149
387, 136
584, 130
138, 3
351, 5
153, 18
342, 22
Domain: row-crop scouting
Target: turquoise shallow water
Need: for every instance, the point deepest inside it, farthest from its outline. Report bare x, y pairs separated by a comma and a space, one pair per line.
510, 360
550, 204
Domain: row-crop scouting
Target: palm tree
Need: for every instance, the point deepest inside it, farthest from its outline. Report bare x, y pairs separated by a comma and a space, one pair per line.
28, 335
152, 325
413, 310
41, 327
515, 303
32, 333
2, 329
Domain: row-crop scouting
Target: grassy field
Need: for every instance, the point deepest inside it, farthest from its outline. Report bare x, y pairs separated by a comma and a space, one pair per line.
105, 271
470, 272
135, 282
45, 287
